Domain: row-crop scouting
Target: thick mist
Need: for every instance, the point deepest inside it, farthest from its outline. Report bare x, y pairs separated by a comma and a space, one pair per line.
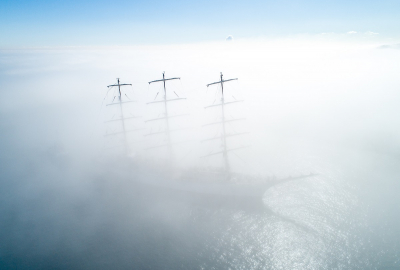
70, 199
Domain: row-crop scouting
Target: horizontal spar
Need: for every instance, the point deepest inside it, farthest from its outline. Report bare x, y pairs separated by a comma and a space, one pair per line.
165, 100
119, 84
225, 103
222, 81
161, 118
116, 103
228, 150
163, 80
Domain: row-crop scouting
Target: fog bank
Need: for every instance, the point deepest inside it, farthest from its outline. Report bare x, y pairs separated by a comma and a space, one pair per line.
327, 105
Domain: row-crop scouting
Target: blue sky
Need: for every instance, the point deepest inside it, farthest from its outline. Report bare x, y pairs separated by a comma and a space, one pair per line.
83, 23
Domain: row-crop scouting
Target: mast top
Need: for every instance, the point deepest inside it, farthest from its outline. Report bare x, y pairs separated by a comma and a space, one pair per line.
119, 84
163, 79
221, 81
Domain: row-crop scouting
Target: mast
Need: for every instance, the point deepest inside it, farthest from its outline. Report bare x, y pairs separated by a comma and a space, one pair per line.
165, 100
122, 112
223, 122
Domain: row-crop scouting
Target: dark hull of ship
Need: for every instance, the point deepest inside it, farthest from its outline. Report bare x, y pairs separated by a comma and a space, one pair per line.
210, 188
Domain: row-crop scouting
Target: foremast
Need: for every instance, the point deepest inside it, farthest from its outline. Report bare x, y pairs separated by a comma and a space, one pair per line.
122, 119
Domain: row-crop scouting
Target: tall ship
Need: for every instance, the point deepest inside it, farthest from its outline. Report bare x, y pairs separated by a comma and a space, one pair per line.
214, 183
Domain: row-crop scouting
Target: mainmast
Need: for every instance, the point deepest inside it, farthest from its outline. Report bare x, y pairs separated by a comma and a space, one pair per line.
225, 149
166, 116
122, 112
